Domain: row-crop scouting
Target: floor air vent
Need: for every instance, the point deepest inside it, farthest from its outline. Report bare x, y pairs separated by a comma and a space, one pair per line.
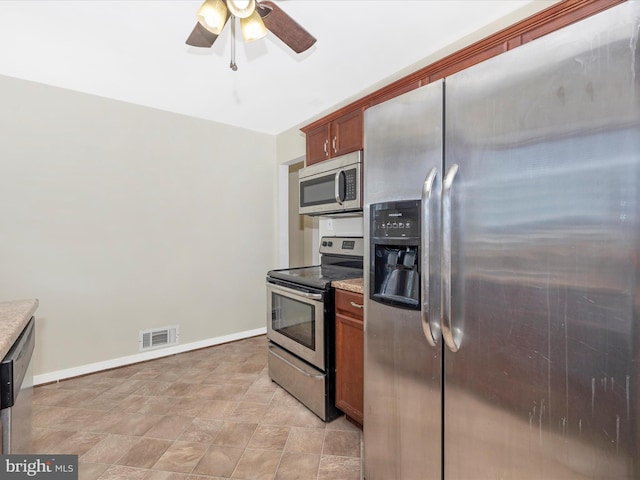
158, 337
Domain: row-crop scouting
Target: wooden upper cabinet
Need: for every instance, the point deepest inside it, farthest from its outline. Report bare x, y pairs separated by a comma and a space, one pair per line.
337, 137
347, 133
395, 90
318, 144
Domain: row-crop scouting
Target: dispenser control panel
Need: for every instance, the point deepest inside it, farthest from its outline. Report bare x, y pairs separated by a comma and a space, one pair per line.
396, 220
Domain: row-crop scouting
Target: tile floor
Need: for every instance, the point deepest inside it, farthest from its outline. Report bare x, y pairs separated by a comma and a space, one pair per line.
203, 415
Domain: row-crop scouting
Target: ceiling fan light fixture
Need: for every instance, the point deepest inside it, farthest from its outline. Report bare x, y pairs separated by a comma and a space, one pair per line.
252, 27
212, 15
241, 8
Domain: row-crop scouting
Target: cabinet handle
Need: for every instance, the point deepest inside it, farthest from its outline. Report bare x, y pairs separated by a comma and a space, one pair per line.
326, 150
335, 142
357, 305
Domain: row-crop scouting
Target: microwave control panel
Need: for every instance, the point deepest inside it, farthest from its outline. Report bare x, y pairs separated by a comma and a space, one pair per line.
351, 184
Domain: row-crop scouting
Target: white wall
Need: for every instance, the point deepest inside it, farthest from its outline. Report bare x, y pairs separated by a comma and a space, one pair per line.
120, 218
290, 150
292, 147
346, 225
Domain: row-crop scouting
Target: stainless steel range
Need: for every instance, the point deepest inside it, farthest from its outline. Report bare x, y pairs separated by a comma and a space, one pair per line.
301, 323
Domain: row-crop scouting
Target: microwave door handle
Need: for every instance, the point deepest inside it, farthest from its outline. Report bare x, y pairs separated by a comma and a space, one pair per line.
338, 182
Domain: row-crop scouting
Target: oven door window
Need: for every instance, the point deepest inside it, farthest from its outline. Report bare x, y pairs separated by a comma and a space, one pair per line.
294, 319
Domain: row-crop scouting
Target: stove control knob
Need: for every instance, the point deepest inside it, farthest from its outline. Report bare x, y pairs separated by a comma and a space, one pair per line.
330, 244
324, 244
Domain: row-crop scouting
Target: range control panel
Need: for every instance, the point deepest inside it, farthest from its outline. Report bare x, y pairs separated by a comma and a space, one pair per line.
342, 246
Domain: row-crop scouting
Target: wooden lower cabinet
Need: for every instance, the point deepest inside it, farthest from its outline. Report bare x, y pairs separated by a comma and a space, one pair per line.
349, 354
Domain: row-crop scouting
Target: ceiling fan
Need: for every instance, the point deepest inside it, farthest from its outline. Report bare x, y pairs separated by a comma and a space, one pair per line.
256, 17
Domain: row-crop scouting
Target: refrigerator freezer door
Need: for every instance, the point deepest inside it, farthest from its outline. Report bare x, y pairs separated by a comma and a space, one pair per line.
545, 239
402, 385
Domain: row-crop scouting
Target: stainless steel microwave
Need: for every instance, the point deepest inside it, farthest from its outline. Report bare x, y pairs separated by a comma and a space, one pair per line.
332, 186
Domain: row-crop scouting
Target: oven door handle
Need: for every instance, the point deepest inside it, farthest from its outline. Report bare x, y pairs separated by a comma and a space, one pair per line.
306, 374
298, 293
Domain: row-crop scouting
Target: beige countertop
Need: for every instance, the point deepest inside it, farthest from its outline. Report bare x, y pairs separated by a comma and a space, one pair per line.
355, 285
14, 316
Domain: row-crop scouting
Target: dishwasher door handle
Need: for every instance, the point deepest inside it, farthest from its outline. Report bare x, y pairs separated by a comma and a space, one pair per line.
15, 364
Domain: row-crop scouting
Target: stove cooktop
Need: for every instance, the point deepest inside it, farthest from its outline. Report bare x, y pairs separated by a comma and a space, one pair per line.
341, 259
317, 276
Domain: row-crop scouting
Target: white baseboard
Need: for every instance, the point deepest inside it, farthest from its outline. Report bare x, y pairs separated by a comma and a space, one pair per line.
142, 357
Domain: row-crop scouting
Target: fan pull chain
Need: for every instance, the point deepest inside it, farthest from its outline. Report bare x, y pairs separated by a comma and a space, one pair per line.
232, 64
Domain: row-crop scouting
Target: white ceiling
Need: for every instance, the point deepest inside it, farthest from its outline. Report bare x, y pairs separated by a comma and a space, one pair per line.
134, 51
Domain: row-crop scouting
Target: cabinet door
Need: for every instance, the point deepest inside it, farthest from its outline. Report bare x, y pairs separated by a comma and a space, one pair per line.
349, 354
318, 144
347, 133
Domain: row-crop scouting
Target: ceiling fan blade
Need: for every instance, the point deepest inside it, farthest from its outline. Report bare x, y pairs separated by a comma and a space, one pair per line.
201, 37
284, 27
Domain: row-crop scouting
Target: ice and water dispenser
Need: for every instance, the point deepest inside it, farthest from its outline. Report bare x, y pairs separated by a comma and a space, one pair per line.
395, 255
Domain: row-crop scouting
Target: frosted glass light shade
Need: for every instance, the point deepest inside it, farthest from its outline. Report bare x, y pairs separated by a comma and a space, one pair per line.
252, 27
212, 15
241, 8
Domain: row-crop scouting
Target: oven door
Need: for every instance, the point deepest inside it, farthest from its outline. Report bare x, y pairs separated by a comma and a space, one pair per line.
295, 321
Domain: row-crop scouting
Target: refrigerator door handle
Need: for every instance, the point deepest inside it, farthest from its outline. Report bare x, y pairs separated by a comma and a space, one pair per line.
431, 334
447, 329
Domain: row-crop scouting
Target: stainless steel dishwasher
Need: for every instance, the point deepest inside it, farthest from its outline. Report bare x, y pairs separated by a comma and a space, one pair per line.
16, 393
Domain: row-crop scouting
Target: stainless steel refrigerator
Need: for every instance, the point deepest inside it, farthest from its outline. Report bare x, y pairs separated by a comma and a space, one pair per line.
502, 223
